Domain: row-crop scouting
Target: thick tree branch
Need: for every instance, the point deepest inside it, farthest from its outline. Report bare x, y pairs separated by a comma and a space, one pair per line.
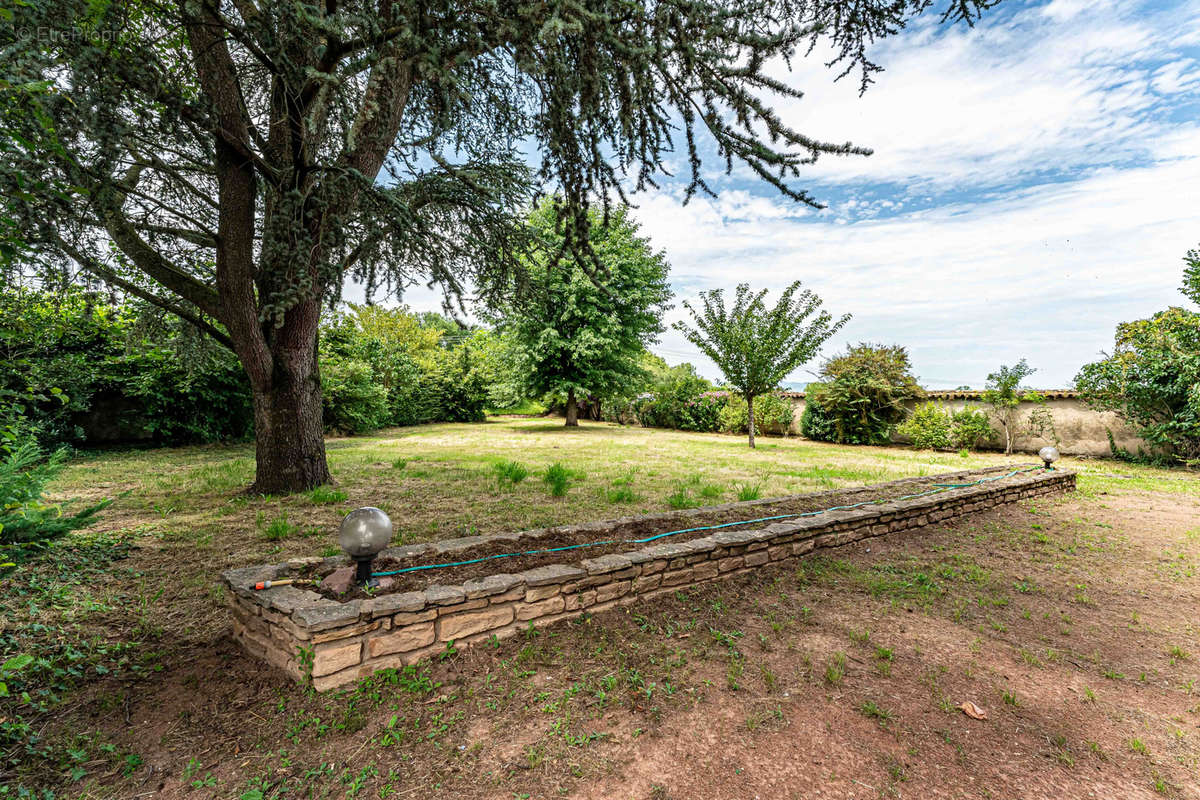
199, 238
124, 234
378, 120
102, 271
218, 78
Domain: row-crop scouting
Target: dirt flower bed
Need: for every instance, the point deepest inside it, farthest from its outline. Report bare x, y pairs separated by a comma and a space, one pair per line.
570, 544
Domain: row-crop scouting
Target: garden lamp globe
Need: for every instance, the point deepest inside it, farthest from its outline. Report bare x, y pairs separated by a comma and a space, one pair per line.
363, 534
1049, 455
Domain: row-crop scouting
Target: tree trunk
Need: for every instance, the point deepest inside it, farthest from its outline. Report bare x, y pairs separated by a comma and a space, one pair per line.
750, 417
288, 418
289, 440
572, 409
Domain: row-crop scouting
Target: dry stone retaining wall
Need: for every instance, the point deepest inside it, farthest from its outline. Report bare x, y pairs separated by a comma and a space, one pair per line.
333, 643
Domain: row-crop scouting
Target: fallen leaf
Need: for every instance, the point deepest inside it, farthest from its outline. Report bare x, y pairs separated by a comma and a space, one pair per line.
973, 711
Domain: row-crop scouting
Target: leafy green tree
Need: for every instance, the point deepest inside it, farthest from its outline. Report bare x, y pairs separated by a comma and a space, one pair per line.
235, 161
755, 348
578, 333
1152, 377
1003, 396
861, 396
497, 361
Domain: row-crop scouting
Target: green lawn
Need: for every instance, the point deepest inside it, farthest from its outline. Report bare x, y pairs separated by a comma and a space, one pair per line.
440, 481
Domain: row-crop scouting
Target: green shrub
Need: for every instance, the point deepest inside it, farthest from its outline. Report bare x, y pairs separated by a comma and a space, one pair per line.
79, 370
668, 397
928, 427
696, 412
772, 414
411, 398
1152, 381
409, 358
970, 427
932, 427
862, 396
27, 523
816, 423
353, 399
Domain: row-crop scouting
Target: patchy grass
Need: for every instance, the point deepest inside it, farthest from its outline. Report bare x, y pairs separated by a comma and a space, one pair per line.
326, 495
838, 671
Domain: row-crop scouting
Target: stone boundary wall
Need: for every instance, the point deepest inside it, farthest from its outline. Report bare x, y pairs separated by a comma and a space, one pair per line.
333, 643
1082, 431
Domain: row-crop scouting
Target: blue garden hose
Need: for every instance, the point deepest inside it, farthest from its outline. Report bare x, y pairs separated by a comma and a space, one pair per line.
938, 488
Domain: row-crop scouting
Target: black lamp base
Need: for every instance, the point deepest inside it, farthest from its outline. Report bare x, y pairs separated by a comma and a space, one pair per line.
362, 572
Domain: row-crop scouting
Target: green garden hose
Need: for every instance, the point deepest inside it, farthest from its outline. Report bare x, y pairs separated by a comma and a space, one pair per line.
938, 488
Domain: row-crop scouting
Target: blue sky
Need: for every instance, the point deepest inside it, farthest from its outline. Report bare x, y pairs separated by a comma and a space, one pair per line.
1035, 181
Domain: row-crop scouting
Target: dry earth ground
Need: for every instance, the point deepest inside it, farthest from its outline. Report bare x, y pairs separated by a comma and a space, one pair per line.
1074, 623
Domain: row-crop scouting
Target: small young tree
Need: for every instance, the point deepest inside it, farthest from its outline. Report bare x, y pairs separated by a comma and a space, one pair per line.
577, 333
1003, 396
755, 348
1191, 276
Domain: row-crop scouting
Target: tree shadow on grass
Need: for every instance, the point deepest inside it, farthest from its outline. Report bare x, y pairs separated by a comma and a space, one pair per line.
558, 427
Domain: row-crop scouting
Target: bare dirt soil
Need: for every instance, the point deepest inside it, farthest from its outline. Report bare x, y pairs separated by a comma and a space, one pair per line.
1071, 622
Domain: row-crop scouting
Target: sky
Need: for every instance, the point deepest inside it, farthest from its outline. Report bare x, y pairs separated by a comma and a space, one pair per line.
1035, 180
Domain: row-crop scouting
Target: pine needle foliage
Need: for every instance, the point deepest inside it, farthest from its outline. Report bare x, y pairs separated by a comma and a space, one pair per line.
28, 523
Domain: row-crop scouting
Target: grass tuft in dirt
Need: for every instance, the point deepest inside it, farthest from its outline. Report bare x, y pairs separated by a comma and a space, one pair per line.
510, 473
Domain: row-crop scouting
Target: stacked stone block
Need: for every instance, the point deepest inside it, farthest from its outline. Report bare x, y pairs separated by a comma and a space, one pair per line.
333, 643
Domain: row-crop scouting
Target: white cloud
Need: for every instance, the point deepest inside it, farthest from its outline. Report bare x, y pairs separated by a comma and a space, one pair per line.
1047, 193
1044, 274
1043, 90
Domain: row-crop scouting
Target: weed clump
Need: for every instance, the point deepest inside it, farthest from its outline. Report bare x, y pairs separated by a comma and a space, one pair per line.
278, 529
681, 498
511, 472
748, 491
558, 478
